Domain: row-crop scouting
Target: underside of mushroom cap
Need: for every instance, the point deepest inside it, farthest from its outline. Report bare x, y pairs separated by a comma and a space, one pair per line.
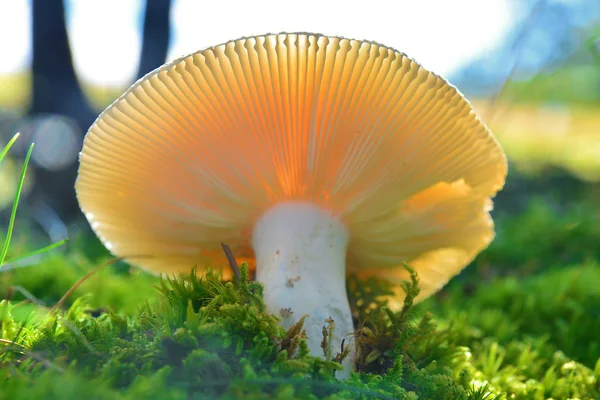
195, 152
442, 229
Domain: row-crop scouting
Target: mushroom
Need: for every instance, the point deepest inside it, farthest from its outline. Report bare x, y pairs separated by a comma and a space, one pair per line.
312, 157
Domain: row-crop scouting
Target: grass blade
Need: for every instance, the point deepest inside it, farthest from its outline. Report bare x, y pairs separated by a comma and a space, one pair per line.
9, 145
13, 213
38, 251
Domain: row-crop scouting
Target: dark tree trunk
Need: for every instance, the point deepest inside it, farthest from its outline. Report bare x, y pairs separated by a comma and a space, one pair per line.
155, 39
56, 91
55, 85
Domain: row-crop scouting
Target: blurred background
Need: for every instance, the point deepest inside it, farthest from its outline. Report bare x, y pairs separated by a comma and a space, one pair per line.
530, 67
528, 307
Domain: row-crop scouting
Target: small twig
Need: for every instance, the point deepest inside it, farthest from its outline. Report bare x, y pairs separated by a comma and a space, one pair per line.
28, 295
83, 279
232, 262
92, 272
11, 343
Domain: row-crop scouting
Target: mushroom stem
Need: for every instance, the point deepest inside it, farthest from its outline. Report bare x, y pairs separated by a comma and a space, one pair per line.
300, 253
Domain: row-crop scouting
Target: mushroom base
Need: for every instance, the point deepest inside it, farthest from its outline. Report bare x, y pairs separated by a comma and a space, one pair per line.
300, 251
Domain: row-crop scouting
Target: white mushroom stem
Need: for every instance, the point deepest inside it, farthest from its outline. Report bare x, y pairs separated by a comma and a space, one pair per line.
300, 253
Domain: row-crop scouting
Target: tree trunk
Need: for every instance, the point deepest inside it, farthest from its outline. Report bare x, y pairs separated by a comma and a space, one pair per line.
56, 91
155, 38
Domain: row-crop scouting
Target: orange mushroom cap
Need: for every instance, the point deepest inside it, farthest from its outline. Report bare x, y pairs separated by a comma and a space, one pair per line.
197, 150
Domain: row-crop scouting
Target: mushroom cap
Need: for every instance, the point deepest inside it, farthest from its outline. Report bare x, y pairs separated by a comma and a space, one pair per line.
197, 150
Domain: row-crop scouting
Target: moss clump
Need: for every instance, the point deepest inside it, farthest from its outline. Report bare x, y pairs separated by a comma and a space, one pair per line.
561, 306
534, 338
205, 339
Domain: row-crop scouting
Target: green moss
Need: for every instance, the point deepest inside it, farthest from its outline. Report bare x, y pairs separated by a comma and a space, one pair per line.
46, 282
540, 238
561, 306
206, 338
534, 338
521, 323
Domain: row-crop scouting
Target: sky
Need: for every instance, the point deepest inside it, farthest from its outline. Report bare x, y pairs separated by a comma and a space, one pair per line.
105, 35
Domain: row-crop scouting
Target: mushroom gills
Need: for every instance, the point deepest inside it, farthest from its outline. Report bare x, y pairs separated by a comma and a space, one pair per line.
300, 251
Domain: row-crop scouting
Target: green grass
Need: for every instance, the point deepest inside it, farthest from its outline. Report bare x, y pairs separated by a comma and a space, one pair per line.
13, 214
15, 205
